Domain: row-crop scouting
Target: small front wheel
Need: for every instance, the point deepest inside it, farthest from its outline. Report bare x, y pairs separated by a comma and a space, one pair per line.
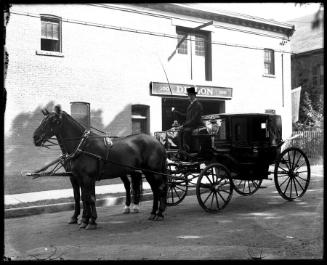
292, 173
214, 188
177, 185
246, 187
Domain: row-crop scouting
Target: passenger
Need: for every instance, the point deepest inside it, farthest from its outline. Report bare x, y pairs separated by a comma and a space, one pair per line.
193, 120
173, 133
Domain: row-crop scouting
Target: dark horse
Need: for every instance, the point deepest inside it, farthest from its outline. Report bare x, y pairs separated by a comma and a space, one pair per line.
89, 160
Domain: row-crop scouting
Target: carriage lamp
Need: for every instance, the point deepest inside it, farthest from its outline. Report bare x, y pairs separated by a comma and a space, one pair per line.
255, 150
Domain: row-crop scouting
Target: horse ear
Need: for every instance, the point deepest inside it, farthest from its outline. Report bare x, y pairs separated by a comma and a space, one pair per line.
45, 112
57, 109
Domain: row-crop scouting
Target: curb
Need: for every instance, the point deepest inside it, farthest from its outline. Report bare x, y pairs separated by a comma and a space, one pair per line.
68, 206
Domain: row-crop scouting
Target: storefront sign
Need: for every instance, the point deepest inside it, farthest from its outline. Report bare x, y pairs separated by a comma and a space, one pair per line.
165, 89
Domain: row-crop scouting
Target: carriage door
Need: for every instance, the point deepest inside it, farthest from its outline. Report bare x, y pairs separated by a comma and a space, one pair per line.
80, 111
140, 119
239, 131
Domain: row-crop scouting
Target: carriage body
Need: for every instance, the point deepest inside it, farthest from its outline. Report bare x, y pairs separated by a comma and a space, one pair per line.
246, 143
234, 152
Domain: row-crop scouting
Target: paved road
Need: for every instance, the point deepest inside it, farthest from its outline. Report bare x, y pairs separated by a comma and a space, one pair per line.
259, 226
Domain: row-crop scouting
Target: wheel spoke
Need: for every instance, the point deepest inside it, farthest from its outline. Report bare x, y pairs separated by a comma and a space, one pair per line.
283, 169
209, 179
306, 180
217, 201
222, 197
299, 183
207, 197
294, 184
297, 161
284, 181
288, 183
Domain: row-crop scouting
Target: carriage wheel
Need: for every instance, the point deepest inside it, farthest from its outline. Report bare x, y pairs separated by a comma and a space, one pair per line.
177, 185
214, 188
292, 173
246, 187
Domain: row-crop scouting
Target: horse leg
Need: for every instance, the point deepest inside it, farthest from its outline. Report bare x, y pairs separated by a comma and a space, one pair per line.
162, 190
154, 189
77, 198
127, 186
92, 224
86, 205
136, 184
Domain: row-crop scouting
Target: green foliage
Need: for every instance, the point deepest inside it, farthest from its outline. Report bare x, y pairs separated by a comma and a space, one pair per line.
311, 115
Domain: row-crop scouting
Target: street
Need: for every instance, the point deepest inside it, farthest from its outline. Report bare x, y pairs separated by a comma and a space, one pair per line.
261, 226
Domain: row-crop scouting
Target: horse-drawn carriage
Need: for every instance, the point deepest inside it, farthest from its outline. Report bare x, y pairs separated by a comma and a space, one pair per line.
234, 152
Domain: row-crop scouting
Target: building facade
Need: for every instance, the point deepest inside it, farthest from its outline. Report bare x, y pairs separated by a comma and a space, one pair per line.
307, 60
132, 63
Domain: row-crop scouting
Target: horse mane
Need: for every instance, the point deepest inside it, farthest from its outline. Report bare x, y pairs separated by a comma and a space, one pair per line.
74, 121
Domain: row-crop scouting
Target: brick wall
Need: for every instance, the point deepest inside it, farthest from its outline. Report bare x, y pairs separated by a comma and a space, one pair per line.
112, 69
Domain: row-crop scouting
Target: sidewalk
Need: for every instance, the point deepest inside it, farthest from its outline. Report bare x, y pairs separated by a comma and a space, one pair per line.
14, 199
61, 200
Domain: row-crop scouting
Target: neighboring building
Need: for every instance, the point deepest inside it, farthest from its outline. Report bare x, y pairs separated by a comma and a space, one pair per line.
307, 59
122, 59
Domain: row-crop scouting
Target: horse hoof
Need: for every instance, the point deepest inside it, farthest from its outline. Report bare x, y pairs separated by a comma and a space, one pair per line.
158, 218
83, 225
136, 210
79, 222
152, 217
126, 211
91, 227
73, 221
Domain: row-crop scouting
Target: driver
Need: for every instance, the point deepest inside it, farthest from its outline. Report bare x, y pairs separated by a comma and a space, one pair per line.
193, 120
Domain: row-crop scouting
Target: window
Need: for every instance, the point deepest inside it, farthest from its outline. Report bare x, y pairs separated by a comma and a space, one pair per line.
196, 44
318, 76
182, 45
50, 33
269, 62
140, 119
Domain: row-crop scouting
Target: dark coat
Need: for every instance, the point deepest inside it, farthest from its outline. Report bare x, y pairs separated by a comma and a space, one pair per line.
193, 115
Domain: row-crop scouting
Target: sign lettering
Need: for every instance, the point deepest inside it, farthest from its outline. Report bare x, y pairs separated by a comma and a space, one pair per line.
164, 89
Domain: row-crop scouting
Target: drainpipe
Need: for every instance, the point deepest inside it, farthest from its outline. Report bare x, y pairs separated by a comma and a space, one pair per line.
282, 80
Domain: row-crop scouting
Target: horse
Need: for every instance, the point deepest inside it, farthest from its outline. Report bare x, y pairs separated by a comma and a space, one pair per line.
88, 159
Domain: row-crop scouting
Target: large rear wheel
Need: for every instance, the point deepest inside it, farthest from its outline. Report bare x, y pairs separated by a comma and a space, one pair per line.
292, 173
214, 188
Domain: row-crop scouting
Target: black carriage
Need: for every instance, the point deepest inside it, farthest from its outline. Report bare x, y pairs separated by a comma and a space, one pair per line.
234, 152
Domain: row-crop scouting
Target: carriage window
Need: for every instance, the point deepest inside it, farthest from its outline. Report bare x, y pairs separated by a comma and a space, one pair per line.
50, 33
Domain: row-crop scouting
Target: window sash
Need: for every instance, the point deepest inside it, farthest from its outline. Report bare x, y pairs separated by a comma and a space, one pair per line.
50, 30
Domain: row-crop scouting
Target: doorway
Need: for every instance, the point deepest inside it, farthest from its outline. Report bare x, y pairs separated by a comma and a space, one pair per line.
210, 106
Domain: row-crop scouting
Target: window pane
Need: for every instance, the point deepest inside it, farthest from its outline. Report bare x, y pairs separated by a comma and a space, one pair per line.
182, 48
199, 45
43, 30
55, 31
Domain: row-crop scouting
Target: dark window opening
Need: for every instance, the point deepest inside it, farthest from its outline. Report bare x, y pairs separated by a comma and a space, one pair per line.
269, 62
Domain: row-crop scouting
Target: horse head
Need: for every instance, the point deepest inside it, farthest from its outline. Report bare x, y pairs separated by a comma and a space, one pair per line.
49, 126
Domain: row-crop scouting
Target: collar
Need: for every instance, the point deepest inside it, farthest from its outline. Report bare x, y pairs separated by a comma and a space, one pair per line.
193, 101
